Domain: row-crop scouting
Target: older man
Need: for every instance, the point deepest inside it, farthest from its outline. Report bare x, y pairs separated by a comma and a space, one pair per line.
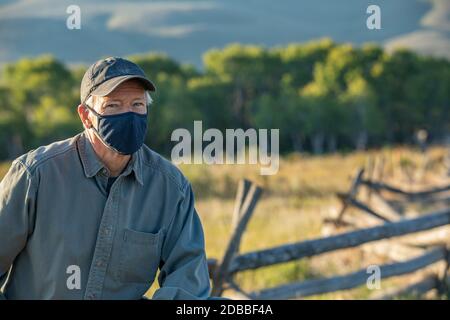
96, 215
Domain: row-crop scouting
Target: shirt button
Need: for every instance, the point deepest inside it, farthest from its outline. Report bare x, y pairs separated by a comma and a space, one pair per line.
99, 263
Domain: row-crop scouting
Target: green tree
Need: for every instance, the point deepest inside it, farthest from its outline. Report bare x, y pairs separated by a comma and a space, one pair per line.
326, 117
364, 120
299, 60
251, 70
32, 83
155, 63
172, 109
284, 111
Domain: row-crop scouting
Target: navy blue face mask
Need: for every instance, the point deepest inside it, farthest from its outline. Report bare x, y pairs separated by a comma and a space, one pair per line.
123, 132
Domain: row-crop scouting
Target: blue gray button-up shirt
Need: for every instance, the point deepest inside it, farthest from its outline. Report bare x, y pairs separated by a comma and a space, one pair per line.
62, 236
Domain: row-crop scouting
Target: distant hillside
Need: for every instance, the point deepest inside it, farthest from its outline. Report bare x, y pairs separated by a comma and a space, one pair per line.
186, 29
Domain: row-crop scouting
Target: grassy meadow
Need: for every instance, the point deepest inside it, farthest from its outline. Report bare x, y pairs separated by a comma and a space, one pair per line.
293, 205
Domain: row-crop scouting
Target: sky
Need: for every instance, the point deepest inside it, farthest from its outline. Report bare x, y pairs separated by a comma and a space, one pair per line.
186, 29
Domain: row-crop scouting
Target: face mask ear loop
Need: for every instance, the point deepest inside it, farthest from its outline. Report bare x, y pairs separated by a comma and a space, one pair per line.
95, 114
96, 131
93, 111
93, 127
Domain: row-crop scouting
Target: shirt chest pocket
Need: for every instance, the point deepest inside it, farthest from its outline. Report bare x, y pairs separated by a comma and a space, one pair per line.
139, 256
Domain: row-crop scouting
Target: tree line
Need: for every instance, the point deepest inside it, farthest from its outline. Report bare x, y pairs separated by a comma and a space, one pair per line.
323, 96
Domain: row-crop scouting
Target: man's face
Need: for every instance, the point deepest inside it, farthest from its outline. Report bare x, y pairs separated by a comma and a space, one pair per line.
128, 96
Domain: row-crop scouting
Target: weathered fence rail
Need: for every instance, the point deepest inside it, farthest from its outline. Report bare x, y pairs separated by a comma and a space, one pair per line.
352, 280
309, 248
223, 271
410, 194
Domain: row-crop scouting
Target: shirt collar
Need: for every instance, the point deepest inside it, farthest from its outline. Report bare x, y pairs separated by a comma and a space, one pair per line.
92, 165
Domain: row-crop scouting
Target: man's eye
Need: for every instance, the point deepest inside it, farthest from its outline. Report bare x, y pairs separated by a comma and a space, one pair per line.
112, 105
138, 104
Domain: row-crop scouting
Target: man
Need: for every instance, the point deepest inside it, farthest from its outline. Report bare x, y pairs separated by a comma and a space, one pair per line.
96, 215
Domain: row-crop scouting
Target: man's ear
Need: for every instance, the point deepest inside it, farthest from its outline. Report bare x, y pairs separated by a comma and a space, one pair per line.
83, 112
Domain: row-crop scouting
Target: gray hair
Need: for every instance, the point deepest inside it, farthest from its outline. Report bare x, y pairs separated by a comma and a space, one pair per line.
148, 97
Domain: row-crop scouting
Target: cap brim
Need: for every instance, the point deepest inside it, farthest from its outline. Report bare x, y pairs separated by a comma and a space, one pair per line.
108, 86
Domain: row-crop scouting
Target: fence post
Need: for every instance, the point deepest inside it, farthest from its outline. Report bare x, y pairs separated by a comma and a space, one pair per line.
247, 207
370, 174
242, 191
352, 194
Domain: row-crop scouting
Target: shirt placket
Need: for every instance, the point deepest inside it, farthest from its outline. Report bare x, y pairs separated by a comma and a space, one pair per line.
103, 245
102, 180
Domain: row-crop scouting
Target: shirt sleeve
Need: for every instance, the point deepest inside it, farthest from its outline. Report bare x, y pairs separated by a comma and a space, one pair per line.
184, 269
17, 200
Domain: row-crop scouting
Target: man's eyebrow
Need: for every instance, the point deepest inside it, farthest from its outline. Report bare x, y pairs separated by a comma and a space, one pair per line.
104, 102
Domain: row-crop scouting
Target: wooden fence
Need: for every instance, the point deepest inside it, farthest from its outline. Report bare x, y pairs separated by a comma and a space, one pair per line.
222, 271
